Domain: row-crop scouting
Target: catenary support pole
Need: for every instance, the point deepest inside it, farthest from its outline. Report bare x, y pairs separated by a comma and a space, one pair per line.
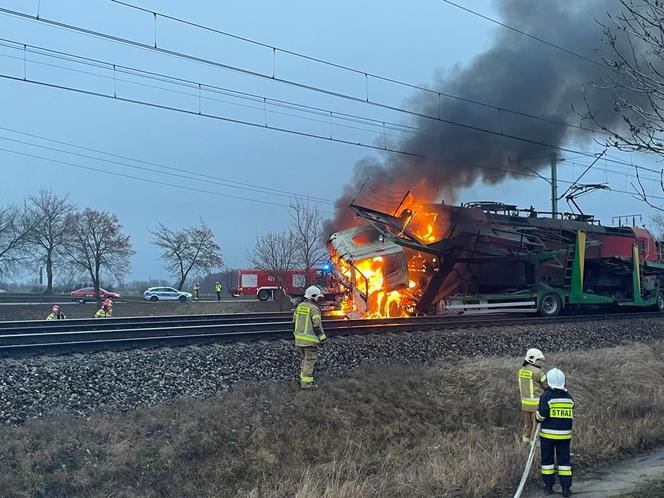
554, 185
529, 462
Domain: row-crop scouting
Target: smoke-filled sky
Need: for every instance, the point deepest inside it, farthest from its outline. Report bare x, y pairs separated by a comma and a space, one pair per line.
424, 42
515, 73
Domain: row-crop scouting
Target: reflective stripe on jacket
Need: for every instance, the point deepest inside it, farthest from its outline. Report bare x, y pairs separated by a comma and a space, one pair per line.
103, 314
556, 413
217, 288
532, 383
306, 319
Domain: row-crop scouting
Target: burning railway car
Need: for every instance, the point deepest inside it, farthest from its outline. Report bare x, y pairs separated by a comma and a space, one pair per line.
491, 256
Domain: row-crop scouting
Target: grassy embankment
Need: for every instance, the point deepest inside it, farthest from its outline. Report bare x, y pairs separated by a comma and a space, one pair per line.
140, 308
451, 429
649, 490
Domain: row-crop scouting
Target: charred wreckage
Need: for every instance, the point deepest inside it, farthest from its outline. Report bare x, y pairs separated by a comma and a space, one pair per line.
486, 256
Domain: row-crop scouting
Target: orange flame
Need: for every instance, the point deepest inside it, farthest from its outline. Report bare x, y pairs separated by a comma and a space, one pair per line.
367, 276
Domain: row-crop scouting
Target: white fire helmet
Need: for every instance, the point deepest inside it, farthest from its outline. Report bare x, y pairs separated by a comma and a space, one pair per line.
313, 292
534, 356
556, 379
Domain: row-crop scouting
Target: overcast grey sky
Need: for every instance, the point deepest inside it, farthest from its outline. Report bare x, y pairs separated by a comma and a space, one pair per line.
409, 41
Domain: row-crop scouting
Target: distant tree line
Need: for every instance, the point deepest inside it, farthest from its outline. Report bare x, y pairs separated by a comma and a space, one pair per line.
297, 247
48, 231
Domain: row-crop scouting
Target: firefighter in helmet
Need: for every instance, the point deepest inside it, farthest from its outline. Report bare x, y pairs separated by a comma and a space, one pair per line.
106, 310
532, 383
55, 313
309, 334
556, 412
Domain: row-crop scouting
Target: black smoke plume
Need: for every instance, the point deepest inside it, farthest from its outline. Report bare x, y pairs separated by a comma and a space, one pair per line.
517, 73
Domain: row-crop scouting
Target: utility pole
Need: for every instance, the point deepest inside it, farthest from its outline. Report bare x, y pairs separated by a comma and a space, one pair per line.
554, 185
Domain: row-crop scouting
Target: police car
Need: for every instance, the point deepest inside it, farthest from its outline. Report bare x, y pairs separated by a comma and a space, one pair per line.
166, 294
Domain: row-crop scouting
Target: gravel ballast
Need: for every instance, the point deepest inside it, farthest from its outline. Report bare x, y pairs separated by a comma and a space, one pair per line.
79, 384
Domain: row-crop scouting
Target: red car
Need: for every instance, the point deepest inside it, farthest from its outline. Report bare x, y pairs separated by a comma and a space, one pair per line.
88, 294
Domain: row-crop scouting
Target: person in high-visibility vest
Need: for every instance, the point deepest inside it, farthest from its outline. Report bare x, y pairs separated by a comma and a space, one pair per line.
217, 289
532, 383
556, 413
106, 310
309, 334
197, 290
55, 313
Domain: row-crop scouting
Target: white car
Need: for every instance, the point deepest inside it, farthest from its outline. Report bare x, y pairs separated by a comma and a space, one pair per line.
166, 294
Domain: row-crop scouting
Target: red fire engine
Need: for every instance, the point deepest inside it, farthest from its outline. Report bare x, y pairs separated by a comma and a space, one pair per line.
262, 284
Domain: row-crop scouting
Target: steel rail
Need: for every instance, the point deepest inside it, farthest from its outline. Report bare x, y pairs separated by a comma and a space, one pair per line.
21, 326
173, 335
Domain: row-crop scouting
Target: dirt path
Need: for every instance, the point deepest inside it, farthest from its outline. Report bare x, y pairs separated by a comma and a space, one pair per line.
620, 479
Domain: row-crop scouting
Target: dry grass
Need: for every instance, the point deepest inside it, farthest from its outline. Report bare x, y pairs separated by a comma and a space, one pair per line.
446, 430
653, 489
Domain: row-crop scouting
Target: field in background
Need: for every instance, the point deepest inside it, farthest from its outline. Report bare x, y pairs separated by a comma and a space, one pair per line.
139, 307
450, 429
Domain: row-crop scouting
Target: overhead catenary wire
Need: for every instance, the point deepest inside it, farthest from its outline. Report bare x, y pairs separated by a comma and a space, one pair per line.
106, 64
204, 179
195, 59
236, 121
310, 87
174, 80
376, 197
203, 114
366, 74
100, 63
232, 183
270, 76
379, 125
524, 33
147, 180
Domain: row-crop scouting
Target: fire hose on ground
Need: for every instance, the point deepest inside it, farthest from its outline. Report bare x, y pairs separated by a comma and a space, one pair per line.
529, 462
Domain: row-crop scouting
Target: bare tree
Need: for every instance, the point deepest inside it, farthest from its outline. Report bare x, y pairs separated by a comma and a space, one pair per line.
15, 228
190, 249
49, 212
276, 254
635, 83
308, 229
95, 245
657, 225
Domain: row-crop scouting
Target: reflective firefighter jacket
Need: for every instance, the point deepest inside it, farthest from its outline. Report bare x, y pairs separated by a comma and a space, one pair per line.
532, 383
556, 412
306, 322
217, 288
103, 314
56, 316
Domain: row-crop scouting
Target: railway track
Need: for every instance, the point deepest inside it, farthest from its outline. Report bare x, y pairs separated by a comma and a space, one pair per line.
37, 337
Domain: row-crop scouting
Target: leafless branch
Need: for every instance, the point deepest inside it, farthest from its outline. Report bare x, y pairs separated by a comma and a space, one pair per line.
192, 249
308, 229
276, 254
95, 245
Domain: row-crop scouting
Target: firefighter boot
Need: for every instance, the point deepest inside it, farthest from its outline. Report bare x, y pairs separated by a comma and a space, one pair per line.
309, 357
567, 492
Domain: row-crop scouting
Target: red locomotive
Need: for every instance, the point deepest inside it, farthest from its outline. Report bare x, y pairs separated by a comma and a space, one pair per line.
487, 256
